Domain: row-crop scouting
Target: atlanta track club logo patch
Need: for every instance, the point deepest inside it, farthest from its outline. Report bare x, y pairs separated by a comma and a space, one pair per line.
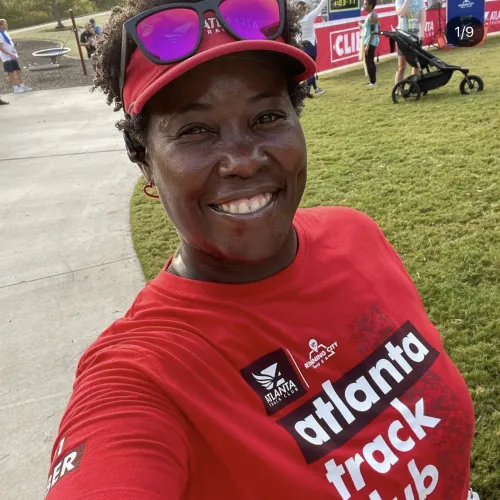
273, 378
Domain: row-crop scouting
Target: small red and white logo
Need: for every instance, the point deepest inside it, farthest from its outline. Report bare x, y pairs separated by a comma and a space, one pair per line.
319, 353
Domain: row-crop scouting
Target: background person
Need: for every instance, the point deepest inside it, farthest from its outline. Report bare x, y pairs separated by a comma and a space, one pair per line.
201, 390
97, 29
88, 40
411, 15
10, 60
371, 40
309, 41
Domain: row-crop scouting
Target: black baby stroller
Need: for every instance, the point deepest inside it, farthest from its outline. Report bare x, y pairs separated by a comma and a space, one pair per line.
416, 85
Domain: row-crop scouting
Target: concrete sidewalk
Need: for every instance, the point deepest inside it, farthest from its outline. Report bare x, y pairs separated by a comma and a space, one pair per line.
85, 17
67, 266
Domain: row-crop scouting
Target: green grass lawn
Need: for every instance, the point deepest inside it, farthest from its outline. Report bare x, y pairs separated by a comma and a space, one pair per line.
66, 37
429, 173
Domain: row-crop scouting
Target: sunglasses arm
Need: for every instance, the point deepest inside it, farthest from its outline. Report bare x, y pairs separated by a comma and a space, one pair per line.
125, 56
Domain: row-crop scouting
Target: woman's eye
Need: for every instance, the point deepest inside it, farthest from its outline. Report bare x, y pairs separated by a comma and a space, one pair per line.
268, 118
196, 130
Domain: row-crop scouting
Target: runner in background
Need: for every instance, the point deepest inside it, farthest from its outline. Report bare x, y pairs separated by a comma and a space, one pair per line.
370, 40
412, 19
8, 54
309, 41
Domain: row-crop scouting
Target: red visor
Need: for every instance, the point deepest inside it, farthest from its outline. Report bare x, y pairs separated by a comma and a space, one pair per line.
145, 78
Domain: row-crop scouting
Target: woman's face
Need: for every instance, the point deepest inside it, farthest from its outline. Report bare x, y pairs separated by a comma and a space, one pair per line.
227, 153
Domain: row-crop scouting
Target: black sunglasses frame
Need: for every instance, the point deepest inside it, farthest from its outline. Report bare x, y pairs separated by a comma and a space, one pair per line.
129, 31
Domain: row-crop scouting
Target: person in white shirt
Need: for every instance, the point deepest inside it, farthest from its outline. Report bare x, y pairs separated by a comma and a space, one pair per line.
9, 56
412, 17
309, 41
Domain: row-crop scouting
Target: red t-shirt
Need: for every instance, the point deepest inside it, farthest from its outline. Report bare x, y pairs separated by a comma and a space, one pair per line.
324, 381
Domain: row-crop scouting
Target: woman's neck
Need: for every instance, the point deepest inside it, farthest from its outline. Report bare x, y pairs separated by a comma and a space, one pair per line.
192, 264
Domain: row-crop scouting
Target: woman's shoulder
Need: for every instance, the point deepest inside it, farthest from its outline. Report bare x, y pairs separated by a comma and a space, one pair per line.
155, 326
337, 215
338, 227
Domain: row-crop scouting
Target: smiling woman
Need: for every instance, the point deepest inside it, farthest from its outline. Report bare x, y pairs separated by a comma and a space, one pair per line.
281, 352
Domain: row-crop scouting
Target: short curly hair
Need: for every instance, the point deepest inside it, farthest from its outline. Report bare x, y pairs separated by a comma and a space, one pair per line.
106, 62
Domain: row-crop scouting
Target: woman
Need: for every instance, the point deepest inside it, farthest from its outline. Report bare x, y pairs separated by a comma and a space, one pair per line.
280, 353
370, 40
309, 41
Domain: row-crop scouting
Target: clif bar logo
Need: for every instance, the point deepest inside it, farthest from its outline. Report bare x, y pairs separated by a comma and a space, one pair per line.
273, 378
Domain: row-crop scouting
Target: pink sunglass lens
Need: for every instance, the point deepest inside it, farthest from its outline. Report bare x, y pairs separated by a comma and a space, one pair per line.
255, 20
170, 34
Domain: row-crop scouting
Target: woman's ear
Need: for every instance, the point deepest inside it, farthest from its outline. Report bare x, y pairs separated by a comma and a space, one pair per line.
147, 172
146, 166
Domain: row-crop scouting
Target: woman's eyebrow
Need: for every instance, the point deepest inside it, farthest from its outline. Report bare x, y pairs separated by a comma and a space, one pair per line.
202, 106
264, 95
193, 106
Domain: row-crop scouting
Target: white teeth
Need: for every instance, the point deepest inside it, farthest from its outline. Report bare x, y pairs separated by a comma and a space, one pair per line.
246, 206
243, 208
256, 204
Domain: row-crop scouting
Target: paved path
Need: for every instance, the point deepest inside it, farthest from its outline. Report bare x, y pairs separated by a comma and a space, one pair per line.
64, 21
67, 266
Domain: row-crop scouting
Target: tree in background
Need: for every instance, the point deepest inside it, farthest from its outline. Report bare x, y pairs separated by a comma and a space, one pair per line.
55, 9
106, 4
21, 13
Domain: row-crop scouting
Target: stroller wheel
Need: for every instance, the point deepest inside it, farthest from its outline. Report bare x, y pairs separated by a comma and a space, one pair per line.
471, 84
406, 89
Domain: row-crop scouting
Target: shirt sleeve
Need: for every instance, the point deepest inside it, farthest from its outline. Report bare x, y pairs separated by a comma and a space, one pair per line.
120, 438
399, 4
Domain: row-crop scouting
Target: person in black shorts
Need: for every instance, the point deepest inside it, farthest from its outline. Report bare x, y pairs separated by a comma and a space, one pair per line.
9, 57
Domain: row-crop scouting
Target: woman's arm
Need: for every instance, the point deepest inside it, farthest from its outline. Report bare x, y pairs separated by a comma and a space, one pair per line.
120, 437
422, 19
373, 22
316, 12
402, 8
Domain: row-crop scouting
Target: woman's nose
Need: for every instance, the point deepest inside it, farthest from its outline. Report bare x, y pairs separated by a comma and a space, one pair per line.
243, 158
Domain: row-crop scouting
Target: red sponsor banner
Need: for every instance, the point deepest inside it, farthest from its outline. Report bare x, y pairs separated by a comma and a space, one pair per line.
492, 16
338, 41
